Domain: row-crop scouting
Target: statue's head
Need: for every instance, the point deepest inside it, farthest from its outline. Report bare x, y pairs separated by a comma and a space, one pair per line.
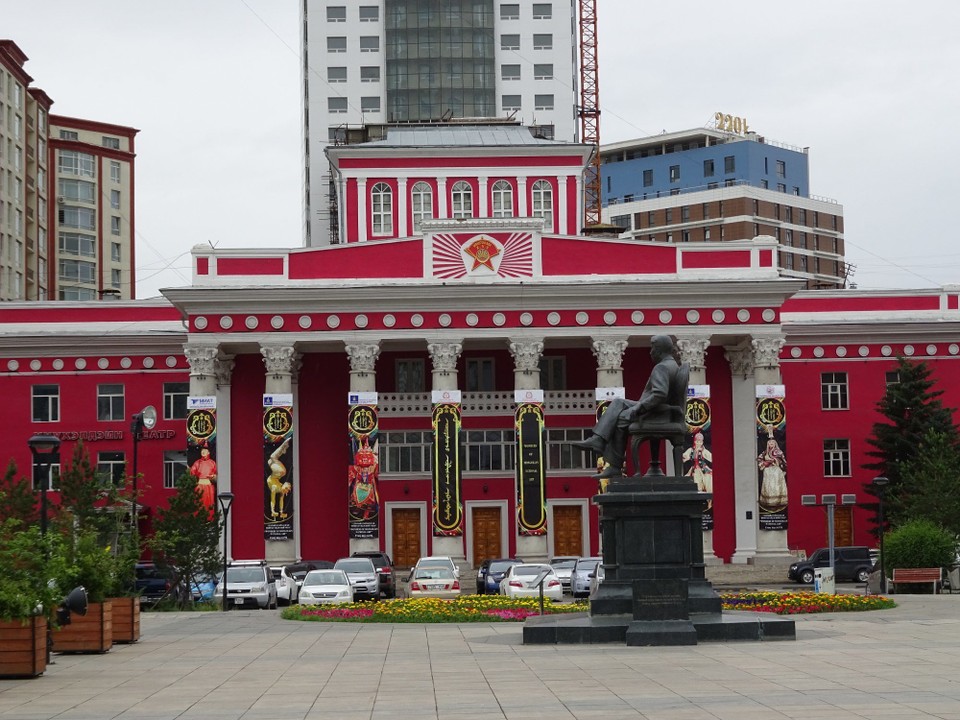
661, 346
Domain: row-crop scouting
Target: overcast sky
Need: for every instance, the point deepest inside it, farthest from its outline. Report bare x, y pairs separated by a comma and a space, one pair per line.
869, 86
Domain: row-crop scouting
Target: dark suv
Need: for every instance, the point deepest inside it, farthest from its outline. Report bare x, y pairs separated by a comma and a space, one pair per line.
851, 563
384, 566
152, 583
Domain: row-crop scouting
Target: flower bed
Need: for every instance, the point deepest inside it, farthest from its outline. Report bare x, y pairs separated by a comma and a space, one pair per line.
803, 602
468, 608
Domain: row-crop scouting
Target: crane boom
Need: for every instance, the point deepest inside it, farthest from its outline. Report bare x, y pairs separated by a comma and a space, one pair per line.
590, 110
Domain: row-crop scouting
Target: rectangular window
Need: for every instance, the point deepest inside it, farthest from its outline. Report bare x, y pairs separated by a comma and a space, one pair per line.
75, 163
542, 11
336, 105
370, 103
543, 71
49, 475
781, 169
706, 211
708, 168
369, 13
489, 450
111, 467
115, 253
406, 452
542, 41
833, 391
674, 173
369, 43
764, 184
69, 135
175, 400
111, 142
553, 368
337, 13
892, 377
509, 42
511, 103
115, 199
668, 214
110, 402
114, 171
336, 74
174, 468
509, 72
729, 164
562, 454
509, 11
685, 213
480, 375
337, 44
370, 73
836, 458
114, 225
651, 218
543, 102
46, 403
647, 178
77, 271
781, 187
78, 244
411, 376
115, 278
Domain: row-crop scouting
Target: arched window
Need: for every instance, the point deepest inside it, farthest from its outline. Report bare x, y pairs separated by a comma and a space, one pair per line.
461, 200
543, 202
502, 199
421, 197
381, 204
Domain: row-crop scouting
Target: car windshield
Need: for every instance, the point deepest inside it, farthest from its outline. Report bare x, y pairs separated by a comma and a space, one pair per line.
325, 577
529, 569
434, 573
355, 566
564, 563
240, 574
587, 565
501, 565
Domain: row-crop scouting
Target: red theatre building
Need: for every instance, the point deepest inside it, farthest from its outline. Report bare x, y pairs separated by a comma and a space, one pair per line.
417, 387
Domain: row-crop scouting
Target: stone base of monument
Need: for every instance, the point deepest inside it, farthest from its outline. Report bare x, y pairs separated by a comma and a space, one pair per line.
655, 591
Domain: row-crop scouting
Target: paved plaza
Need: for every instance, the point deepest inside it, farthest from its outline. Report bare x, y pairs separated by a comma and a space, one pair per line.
893, 664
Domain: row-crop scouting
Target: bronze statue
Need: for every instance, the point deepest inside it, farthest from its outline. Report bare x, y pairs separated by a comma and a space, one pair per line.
656, 407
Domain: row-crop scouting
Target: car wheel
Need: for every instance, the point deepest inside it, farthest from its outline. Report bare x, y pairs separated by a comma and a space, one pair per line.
479, 590
806, 576
862, 575
276, 603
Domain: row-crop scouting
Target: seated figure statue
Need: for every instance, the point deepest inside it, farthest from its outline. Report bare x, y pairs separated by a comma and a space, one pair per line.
610, 434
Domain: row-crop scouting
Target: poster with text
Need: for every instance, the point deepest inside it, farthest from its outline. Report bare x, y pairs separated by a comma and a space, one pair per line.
772, 457
202, 448
447, 501
278, 458
698, 448
363, 474
530, 432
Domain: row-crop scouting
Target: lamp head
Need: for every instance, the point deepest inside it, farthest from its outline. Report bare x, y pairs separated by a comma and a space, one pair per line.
44, 444
225, 498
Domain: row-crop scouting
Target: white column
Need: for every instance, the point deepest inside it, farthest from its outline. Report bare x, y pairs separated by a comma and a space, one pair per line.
442, 211
744, 450
403, 224
363, 378
361, 210
522, 198
223, 369
483, 204
563, 226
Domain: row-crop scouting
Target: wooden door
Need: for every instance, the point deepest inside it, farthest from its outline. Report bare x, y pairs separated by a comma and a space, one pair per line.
842, 525
568, 530
406, 536
486, 534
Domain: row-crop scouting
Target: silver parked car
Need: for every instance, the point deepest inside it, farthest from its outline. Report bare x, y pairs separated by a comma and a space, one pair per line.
563, 566
363, 576
251, 584
580, 576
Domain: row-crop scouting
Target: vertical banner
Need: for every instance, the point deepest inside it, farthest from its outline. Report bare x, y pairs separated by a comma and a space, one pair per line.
363, 476
604, 396
278, 458
771, 456
698, 455
202, 447
447, 501
530, 431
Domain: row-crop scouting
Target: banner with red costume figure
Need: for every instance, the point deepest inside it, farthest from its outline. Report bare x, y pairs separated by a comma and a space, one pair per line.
697, 454
202, 448
771, 456
363, 475
278, 458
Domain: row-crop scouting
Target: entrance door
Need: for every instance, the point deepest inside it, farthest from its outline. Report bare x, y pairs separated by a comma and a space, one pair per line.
486, 534
406, 536
568, 530
843, 525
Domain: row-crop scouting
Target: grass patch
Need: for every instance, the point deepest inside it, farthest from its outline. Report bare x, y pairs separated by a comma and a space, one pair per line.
803, 602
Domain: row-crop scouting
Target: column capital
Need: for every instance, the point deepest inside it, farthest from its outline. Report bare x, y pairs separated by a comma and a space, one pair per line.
224, 369
740, 358
693, 350
444, 355
363, 356
766, 351
609, 353
280, 360
202, 359
526, 355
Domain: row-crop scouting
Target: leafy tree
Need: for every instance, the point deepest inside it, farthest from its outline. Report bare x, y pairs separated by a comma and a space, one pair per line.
918, 543
19, 500
933, 492
185, 541
910, 407
29, 561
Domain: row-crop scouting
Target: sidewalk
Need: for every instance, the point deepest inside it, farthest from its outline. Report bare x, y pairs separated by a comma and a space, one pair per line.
901, 663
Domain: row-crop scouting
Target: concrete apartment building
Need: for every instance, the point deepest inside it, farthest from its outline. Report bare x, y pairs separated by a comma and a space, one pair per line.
710, 184
378, 62
66, 197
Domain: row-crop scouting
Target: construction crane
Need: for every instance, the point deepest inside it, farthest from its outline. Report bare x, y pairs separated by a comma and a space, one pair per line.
590, 110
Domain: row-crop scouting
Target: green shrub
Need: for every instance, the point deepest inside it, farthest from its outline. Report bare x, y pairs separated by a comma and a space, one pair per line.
918, 544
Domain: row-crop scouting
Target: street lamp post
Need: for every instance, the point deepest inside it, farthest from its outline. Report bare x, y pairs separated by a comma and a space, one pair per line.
225, 498
879, 485
44, 449
146, 419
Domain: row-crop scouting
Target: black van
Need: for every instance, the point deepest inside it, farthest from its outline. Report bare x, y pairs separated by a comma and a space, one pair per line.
850, 563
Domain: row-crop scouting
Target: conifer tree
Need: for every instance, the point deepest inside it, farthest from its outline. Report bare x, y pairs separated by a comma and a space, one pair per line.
19, 499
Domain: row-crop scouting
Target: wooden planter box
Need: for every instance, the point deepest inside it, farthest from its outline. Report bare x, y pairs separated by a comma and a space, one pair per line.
126, 619
23, 647
90, 633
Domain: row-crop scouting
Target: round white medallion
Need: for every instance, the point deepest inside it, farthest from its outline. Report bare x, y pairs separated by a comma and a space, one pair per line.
719, 316
743, 315
126, 363
499, 319
148, 362
636, 317
886, 351
526, 319
769, 315
12, 365
416, 319
361, 321
693, 316
445, 320
58, 364
276, 322
908, 350
251, 322
863, 350
103, 363
931, 349
795, 352
35, 365
553, 318
200, 322
226, 322
610, 317
170, 361
665, 316
582, 318
389, 320
304, 321
472, 319
80, 363
333, 321
841, 351
818, 351
954, 349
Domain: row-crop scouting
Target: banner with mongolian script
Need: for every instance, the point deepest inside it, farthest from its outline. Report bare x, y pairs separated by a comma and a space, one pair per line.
278, 458
604, 396
202, 448
364, 473
447, 500
530, 432
697, 453
771, 456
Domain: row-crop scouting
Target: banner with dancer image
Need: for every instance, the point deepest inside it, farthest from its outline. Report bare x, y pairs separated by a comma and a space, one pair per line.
698, 453
202, 448
363, 475
530, 431
771, 456
447, 499
278, 458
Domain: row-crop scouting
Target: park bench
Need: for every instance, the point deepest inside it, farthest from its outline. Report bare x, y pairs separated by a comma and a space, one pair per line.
919, 575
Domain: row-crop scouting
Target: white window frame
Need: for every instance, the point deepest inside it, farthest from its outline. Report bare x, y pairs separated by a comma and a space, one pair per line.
175, 396
836, 457
48, 396
174, 467
405, 451
110, 402
487, 451
501, 195
113, 464
541, 195
421, 203
461, 200
834, 391
381, 209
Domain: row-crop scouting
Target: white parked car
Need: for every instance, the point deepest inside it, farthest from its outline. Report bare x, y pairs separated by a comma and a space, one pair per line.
286, 585
521, 582
433, 581
580, 576
563, 566
326, 586
363, 576
436, 561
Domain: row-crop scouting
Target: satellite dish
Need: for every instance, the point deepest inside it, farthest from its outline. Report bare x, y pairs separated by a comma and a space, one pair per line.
149, 417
